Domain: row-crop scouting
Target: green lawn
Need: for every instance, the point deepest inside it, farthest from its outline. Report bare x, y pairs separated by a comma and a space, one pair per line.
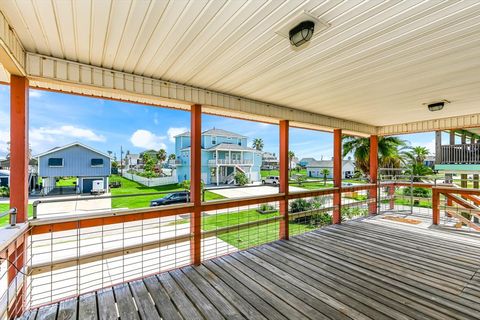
131, 187
5, 207
266, 173
66, 182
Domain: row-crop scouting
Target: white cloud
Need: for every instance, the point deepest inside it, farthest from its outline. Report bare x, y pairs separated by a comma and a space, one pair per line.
4, 138
148, 140
35, 93
172, 132
52, 134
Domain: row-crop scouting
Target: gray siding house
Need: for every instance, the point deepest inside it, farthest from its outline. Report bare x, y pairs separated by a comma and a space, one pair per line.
74, 160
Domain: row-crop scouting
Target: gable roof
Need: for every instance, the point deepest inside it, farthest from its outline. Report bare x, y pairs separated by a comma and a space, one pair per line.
328, 163
214, 132
307, 159
71, 145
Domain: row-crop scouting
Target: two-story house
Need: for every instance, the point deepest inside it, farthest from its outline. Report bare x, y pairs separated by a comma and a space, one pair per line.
223, 154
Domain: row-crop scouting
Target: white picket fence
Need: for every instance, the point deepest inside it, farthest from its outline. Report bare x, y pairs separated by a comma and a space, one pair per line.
152, 182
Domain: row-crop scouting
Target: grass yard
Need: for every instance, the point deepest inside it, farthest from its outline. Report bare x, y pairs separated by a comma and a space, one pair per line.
132, 187
253, 236
66, 182
5, 207
313, 185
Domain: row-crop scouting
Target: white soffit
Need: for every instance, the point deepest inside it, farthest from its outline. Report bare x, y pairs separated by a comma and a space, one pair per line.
377, 63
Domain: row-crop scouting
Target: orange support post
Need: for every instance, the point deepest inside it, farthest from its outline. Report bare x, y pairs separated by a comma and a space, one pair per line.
337, 175
373, 173
19, 146
435, 207
391, 193
284, 128
196, 183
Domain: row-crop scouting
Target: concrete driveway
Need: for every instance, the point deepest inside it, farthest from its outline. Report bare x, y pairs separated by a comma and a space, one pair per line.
262, 190
72, 205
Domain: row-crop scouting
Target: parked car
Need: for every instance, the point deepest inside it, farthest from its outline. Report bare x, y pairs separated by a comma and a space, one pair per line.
271, 180
171, 198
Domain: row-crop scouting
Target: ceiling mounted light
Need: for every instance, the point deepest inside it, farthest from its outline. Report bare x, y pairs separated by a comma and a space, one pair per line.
436, 106
301, 33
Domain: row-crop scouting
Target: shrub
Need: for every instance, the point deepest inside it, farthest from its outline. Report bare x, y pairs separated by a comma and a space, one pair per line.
266, 208
240, 178
4, 191
300, 179
300, 205
351, 212
417, 192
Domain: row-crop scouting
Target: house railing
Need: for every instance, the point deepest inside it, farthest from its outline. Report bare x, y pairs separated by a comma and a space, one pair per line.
230, 162
460, 154
68, 256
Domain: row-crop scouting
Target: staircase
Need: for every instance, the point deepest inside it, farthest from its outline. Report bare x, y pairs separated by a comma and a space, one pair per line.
463, 201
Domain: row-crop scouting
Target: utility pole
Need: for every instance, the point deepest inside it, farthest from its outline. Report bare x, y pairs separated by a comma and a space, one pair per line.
121, 161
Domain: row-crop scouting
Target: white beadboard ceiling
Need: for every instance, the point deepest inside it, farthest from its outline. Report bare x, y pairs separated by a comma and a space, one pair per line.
377, 63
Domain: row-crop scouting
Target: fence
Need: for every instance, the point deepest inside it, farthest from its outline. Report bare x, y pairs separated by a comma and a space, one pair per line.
152, 182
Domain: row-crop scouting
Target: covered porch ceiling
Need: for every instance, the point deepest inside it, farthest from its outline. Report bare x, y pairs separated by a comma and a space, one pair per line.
371, 71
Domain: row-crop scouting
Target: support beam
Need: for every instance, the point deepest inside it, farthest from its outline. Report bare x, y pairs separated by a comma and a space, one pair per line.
196, 183
12, 53
19, 153
373, 173
438, 147
337, 175
435, 207
283, 173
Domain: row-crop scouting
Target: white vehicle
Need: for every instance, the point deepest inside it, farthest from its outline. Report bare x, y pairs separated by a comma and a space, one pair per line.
271, 180
98, 187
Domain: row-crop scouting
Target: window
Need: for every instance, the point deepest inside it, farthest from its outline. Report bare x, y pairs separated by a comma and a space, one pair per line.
55, 162
96, 162
214, 141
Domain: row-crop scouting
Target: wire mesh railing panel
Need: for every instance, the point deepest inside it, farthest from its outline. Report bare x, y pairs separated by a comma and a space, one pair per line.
310, 213
355, 204
72, 262
229, 230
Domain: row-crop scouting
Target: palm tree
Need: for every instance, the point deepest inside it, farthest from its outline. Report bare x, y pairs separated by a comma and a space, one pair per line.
257, 144
418, 154
162, 155
291, 155
390, 152
172, 156
325, 172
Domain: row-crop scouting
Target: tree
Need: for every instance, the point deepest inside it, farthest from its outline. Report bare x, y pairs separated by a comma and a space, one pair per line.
114, 164
325, 172
291, 155
148, 164
390, 152
162, 155
418, 170
299, 179
257, 144
418, 154
172, 156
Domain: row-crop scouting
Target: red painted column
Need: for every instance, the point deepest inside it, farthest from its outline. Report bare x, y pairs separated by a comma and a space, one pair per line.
283, 173
337, 175
391, 193
19, 146
373, 173
435, 207
196, 183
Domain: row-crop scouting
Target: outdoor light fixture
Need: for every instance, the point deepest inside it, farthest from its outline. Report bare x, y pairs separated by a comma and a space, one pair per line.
437, 106
301, 33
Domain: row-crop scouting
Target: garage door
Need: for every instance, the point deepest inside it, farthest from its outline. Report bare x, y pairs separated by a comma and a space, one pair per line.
87, 185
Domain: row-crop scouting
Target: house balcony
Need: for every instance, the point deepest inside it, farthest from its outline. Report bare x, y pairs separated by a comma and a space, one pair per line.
230, 162
460, 154
367, 268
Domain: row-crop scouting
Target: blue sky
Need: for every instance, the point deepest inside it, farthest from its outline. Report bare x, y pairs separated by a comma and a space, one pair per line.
58, 119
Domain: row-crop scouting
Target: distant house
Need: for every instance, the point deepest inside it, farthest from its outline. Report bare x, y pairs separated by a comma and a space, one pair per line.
223, 154
269, 161
304, 162
430, 161
132, 161
88, 165
315, 168
32, 173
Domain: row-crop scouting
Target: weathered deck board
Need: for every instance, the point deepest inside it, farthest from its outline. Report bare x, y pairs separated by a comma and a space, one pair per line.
369, 269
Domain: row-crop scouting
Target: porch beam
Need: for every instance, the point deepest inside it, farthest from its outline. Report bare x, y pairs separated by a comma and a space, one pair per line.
442, 124
337, 174
283, 178
12, 53
196, 183
77, 78
19, 151
373, 173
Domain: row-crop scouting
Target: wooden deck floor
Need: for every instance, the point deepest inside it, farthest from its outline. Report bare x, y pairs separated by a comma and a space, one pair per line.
375, 269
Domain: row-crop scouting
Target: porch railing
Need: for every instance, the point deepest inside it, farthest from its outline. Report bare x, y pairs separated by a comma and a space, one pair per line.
230, 162
460, 154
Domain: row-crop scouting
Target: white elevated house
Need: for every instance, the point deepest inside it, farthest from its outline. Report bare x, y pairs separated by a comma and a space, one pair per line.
315, 168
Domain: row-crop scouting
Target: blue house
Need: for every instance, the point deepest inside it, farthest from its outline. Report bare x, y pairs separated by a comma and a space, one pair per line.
223, 154
89, 166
